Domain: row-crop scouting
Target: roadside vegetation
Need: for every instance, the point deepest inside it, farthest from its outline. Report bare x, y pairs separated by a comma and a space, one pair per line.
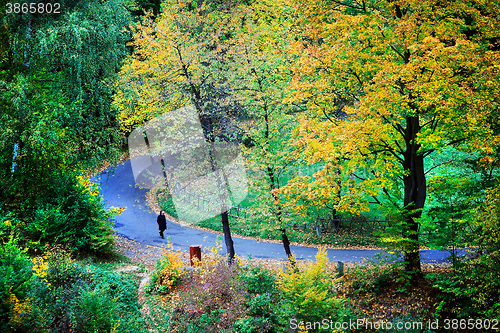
265, 297
52, 292
357, 231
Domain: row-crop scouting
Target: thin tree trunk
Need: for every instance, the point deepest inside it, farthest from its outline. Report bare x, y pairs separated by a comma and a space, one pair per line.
284, 237
286, 245
221, 184
227, 236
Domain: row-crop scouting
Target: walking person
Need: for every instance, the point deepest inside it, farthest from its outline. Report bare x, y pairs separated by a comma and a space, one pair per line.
162, 223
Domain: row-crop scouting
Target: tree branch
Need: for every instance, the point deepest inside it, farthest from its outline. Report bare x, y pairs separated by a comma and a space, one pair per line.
340, 3
436, 167
396, 126
356, 176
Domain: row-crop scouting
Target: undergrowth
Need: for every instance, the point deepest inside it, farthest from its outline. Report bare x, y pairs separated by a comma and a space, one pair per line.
55, 293
215, 297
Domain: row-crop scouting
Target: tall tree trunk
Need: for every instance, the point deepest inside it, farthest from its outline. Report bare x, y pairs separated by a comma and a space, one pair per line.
272, 187
286, 245
284, 237
414, 193
221, 184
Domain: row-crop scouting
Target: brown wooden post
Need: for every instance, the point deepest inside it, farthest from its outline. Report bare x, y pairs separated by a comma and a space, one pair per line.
194, 252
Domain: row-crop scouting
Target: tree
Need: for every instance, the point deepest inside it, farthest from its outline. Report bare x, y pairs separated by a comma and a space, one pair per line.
257, 73
174, 62
73, 58
56, 120
413, 77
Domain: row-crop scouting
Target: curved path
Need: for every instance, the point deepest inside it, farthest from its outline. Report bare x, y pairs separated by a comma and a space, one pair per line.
138, 222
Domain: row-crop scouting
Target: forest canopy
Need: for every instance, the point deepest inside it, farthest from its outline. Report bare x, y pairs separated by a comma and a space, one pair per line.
392, 102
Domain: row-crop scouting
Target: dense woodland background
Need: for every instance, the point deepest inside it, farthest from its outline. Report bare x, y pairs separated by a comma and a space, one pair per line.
347, 112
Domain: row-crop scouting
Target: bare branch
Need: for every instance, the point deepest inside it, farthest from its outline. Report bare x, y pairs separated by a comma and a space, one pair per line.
438, 165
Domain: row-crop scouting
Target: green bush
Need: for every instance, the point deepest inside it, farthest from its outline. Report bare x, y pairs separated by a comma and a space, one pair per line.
73, 214
475, 283
15, 280
93, 310
261, 301
258, 280
254, 325
65, 296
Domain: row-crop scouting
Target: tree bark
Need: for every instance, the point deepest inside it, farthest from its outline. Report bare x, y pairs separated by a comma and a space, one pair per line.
286, 245
414, 193
227, 236
284, 237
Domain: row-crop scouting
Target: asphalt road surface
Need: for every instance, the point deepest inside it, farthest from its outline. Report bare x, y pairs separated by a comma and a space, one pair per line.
138, 222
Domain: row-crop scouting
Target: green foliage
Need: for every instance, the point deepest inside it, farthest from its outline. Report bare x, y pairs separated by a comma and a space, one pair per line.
62, 271
83, 50
56, 111
166, 202
71, 296
15, 280
475, 283
262, 299
58, 104
54, 293
216, 297
258, 280
73, 216
456, 187
94, 310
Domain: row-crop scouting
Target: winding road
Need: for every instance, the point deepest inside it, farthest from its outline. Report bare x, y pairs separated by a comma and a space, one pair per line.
138, 222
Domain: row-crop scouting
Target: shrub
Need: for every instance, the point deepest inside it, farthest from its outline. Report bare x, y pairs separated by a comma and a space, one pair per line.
93, 310
169, 270
73, 214
262, 300
68, 296
475, 284
15, 280
370, 279
258, 280
63, 271
254, 324
212, 301
308, 293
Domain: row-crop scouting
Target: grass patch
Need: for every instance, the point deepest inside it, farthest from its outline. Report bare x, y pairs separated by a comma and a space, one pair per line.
259, 227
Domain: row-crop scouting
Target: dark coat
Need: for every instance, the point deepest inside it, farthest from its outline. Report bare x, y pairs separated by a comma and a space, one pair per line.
162, 222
